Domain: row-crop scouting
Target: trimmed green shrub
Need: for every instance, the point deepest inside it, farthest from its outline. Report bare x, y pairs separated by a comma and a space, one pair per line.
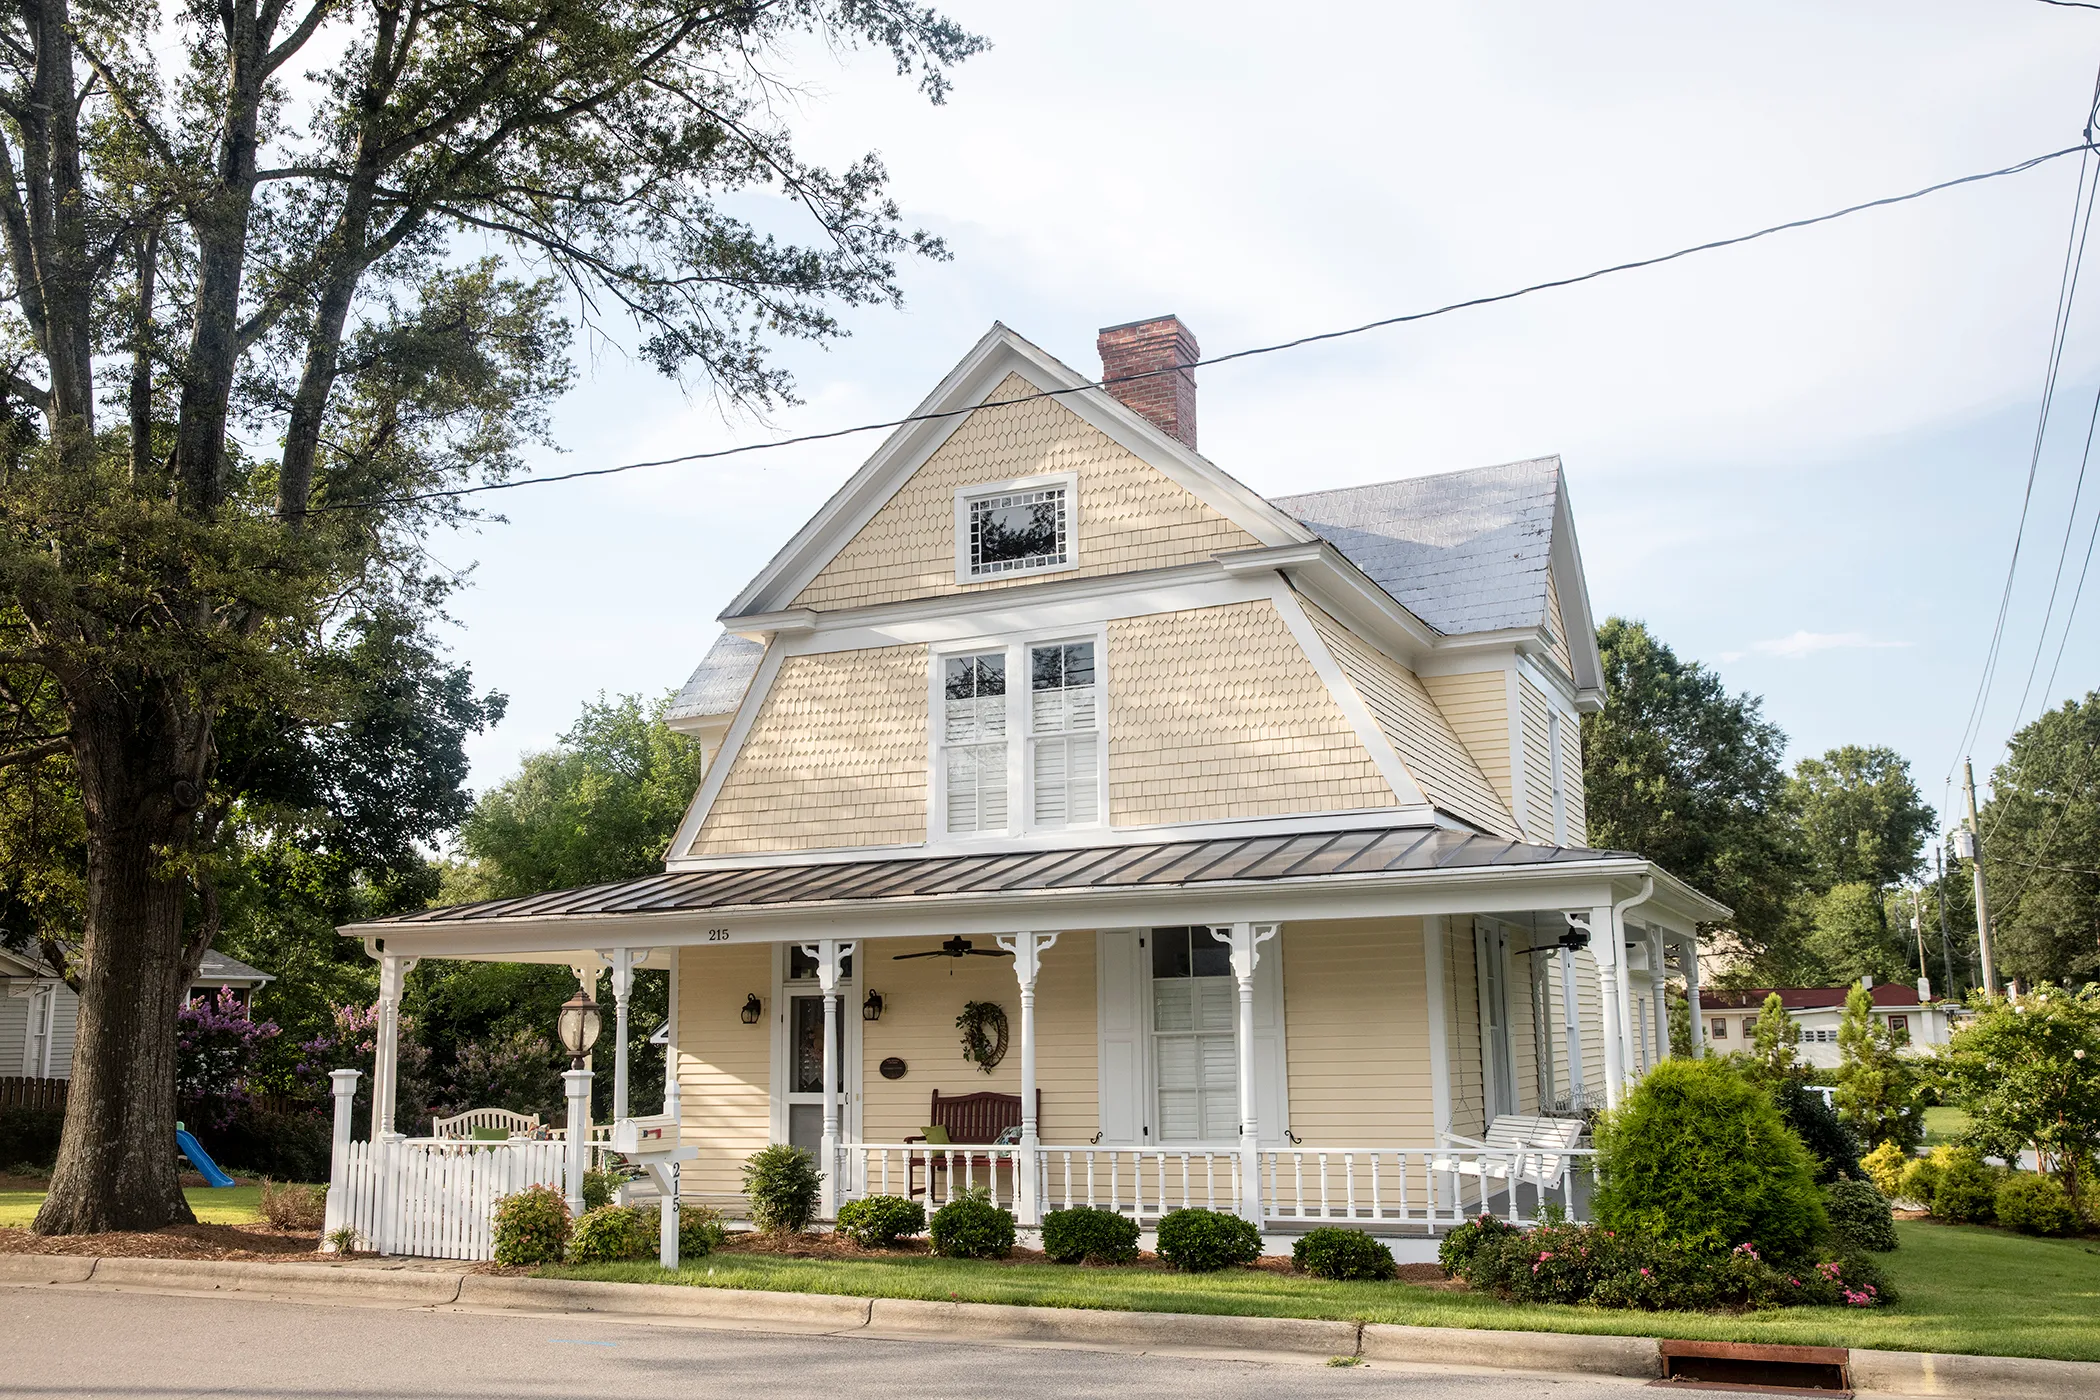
2035, 1205
781, 1183
30, 1136
971, 1227
1698, 1154
1332, 1252
1459, 1246
607, 1234
1968, 1189
531, 1226
1859, 1216
1829, 1142
1086, 1235
1200, 1241
599, 1186
878, 1222
1884, 1166
254, 1142
1921, 1180
700, 1232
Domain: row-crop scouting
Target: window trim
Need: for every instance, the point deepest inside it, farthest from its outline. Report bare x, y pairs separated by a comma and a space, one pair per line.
1020, 771
1068, 482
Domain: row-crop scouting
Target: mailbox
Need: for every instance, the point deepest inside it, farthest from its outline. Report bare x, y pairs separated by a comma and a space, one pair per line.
657, 1133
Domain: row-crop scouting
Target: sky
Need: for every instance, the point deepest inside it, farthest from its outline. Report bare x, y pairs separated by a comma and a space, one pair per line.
1801, 462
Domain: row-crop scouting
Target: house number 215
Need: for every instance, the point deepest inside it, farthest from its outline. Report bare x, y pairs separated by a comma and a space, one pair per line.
718, 935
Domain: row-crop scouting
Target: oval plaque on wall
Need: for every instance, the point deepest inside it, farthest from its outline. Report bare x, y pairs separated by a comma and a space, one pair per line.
892, 1068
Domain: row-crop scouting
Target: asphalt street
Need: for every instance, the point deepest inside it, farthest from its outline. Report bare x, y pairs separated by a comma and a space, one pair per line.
78, 1344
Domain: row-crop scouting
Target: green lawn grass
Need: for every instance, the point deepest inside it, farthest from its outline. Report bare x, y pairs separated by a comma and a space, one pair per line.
1964, 1290
228, 1205
1943, 1125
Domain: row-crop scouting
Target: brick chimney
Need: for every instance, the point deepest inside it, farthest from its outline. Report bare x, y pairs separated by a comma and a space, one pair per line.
1138, 347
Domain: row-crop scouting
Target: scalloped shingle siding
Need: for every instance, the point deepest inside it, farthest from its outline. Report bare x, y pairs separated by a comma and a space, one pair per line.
1217, 713
1130, 516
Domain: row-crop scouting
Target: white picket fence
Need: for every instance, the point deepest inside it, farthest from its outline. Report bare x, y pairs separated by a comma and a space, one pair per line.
436, 1198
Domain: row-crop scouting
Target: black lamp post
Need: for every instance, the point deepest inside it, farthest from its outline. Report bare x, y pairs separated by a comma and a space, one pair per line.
579, 1023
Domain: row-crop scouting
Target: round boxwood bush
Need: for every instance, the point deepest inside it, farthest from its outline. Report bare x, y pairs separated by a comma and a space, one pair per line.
1481, 1232
1920, 1181
1200, 1241
781, 1184
1967, 1192
611, 1233
1085, 1234
1859, 1216
1332, 1252
1697, 1154
531, 1226
700, 1231
971, 1227
878, 1222
2035, 1205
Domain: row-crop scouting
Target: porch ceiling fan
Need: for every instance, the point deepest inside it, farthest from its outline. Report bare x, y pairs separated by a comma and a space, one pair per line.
954, 948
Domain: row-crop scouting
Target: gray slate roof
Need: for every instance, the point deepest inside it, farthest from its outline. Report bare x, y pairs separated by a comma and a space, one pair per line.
218, 970
718, 684
1383, 850
1465, 551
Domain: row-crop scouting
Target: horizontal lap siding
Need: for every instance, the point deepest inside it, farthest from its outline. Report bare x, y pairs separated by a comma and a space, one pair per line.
922, 998
14, 1037
1589, 1007
1571, 778
724, 1066
1128, 515
1538, 763
835, 757
1523, 1025
1416, 728
1476, 705
1356, 1018
1217, 713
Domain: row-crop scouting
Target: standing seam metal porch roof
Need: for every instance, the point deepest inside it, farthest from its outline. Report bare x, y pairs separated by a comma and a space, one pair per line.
1381, 850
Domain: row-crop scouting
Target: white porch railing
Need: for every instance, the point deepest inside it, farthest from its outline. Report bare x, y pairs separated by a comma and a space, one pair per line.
1406, 1188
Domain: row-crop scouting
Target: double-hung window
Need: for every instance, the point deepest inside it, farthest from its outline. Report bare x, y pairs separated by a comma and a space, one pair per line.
1064, 735
974, 740
1194, 1054
1020, 756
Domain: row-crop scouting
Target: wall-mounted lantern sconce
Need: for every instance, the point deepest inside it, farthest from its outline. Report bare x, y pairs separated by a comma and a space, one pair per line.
753, 1009
871, 1009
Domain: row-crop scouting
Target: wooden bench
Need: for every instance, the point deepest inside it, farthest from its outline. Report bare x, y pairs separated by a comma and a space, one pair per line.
972, 1120
462, 1125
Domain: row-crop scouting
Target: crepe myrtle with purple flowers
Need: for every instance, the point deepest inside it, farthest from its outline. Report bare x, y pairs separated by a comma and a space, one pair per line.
215, 1042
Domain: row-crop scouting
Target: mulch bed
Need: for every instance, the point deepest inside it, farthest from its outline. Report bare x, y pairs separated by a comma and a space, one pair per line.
245, 1242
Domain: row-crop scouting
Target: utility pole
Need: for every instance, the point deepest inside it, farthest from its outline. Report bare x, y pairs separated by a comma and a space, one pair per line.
1939, 893
1917, 928
1974, 843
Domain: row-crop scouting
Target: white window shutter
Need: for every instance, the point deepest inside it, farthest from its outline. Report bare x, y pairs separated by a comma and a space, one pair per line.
1272, 1098
1120, 983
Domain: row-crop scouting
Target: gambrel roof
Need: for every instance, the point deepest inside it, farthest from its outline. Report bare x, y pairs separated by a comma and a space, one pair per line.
1466, 551
718, 683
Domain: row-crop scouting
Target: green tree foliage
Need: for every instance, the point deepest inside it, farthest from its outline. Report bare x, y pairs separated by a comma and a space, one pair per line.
2027, 1071
1678, 770
1848, 935
2042, 849
1775, 1043
243, 224
1860, 816
1877, 1088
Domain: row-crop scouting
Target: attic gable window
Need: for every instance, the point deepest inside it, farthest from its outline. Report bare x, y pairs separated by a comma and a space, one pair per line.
1014, 528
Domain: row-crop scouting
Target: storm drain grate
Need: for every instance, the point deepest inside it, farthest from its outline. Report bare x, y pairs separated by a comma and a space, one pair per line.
1752, 1367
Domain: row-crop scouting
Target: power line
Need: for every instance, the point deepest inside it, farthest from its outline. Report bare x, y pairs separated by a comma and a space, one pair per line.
453, 493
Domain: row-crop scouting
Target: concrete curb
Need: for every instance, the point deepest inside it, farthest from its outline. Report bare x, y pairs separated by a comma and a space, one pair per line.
1516, 1351
1897, 1372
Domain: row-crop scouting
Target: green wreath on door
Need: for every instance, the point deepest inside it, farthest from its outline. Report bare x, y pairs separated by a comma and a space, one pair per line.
984, 1031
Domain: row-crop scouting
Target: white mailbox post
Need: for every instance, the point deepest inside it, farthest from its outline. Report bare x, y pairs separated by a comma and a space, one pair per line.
652, 1144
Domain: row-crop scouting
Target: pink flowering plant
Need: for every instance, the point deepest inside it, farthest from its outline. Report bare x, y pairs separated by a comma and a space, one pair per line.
1591, 1264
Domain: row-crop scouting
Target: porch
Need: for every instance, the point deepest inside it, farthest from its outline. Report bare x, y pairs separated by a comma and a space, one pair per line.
1346, 1019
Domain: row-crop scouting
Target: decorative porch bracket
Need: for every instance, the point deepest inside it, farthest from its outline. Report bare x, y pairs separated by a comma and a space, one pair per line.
830, 956
1245, 942
1028, 950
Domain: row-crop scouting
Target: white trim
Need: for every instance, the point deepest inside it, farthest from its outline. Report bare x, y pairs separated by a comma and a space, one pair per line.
1564, 562
1020, 776
1434, 932
1368, 733
725, 759
1519, 760
966, 496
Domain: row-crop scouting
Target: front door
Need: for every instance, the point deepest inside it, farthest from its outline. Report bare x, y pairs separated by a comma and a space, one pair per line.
802, 1052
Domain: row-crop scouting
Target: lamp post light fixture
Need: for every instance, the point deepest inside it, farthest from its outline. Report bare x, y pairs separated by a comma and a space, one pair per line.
579, 1023
753, 1009
871, 1009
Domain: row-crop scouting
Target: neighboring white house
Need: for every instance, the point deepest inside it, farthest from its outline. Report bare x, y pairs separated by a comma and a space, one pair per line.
1910, 1012
38, 1012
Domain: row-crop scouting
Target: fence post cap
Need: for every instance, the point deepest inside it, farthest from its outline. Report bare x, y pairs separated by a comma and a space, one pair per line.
344, 1081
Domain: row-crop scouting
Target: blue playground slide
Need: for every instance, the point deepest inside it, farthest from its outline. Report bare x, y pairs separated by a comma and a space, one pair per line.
199, 1158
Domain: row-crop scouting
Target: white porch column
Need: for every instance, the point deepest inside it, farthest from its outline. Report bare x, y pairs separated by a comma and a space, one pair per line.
1688, 959
1658, 988
1245, 941
622, 961
342, 1085
1604, 946
576, 1084
830, 955
386, 1053
1028, 950
1571, 1026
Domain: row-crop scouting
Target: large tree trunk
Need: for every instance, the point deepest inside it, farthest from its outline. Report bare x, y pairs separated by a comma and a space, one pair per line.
116, 1162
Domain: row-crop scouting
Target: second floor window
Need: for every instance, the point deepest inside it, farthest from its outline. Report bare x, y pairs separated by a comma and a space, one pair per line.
1025, 756
1064, 729
973, 735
